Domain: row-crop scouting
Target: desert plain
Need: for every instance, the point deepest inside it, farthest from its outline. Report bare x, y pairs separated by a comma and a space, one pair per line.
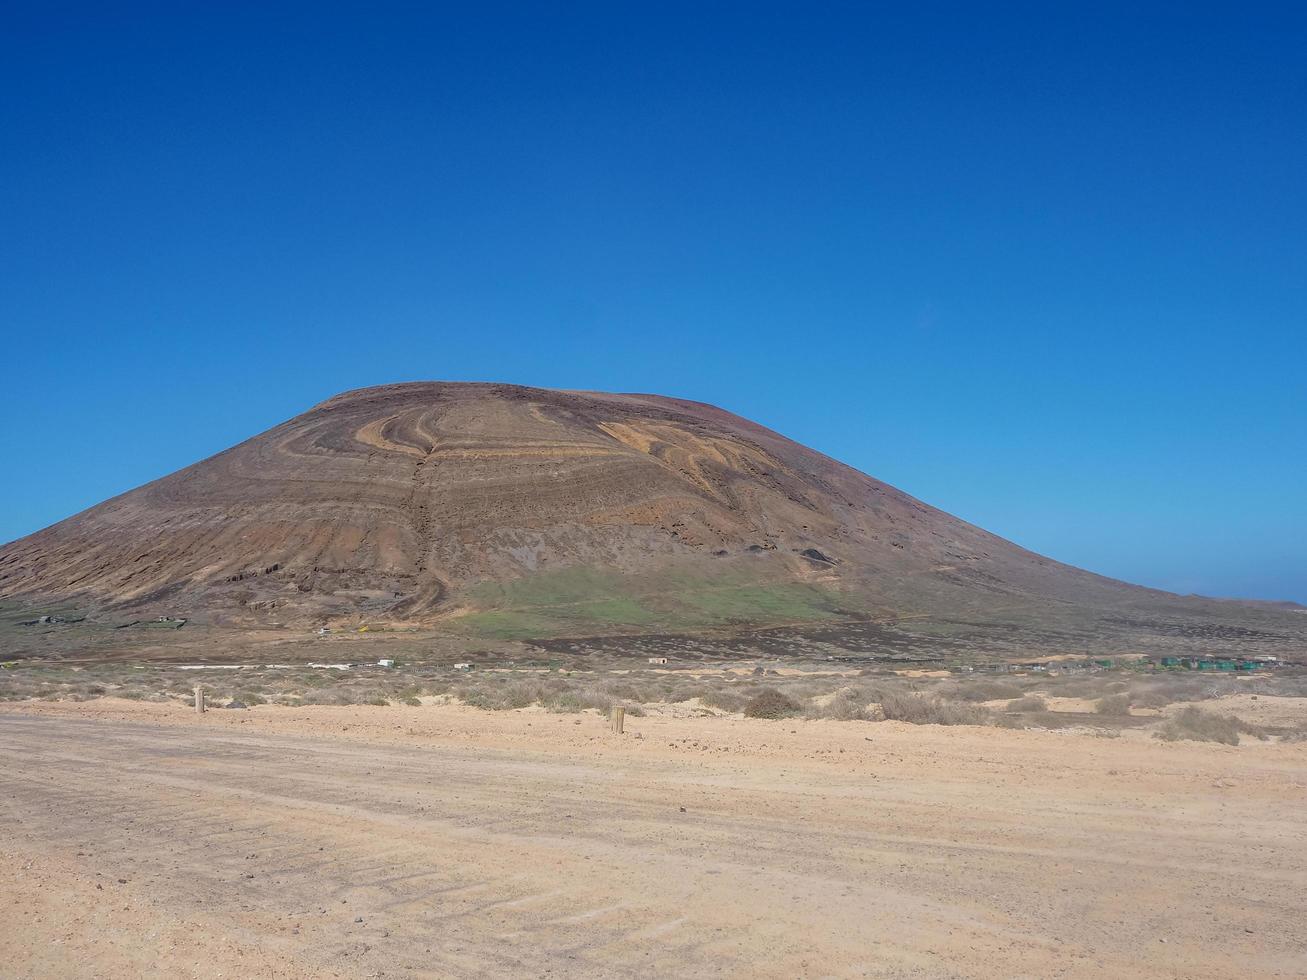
438, 839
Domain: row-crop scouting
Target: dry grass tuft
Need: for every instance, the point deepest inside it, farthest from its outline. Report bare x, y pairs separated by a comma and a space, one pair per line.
770, 703
731, 701
1114, 705
1028, 704
982, 689
1196, 725
922, 709
847, 704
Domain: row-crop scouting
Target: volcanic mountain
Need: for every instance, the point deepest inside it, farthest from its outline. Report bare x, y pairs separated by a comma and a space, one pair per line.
525, 512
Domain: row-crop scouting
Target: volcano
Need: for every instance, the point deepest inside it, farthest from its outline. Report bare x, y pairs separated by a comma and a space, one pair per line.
526, 512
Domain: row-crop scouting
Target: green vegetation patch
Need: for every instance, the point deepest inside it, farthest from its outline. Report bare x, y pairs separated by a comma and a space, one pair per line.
583, 600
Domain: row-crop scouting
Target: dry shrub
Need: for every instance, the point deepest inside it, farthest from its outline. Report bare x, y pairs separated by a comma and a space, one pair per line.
565, 703
1196, 725
881, 691
519, 694
1068, 686
599, 697
981, 689
1169, 687
1155, 697
770, 703
921, 709
724, 700
493, 695
1115, 705
618, 691
1027, 705
569, 700
846, 705
1283, 684
475, 697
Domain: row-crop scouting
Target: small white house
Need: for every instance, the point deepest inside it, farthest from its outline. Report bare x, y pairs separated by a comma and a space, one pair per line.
385, 663
462, 666
658, 660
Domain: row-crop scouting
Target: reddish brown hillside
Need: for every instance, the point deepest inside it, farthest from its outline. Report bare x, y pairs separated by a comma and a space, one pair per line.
544, 510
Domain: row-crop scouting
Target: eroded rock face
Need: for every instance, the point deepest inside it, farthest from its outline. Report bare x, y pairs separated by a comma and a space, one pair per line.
401, 501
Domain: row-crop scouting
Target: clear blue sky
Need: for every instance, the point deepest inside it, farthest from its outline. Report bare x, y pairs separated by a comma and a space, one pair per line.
1046, 270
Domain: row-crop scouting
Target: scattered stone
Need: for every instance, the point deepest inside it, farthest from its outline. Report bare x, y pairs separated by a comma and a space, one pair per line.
813, 555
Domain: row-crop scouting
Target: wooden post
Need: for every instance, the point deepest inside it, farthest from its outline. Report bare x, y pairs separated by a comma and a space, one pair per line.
616, 716
199, 700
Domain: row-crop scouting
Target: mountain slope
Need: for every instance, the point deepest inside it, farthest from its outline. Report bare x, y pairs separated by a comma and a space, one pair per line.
524, 512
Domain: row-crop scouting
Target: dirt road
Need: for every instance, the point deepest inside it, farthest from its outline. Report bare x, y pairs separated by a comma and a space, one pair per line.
140, 840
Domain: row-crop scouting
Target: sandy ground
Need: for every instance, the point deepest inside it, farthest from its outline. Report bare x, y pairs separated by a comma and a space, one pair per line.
141, 840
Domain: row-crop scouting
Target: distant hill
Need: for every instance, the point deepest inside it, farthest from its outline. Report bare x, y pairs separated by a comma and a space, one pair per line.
527, 513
